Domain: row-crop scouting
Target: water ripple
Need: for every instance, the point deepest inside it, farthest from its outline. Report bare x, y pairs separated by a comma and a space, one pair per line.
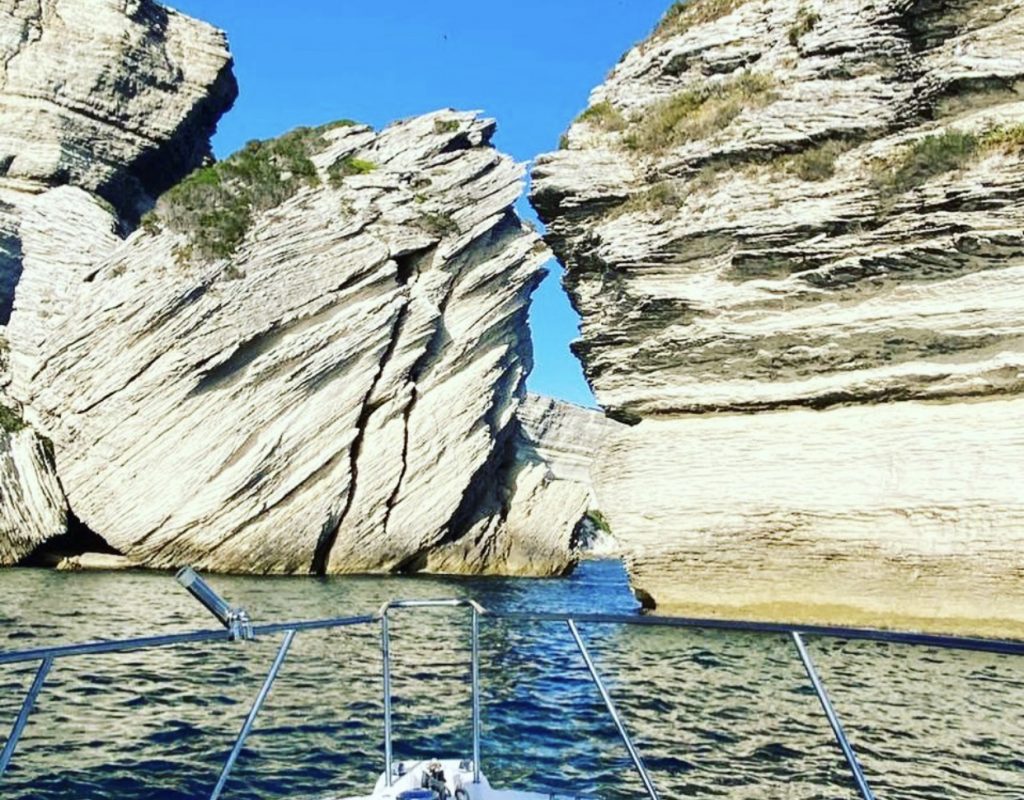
716, 714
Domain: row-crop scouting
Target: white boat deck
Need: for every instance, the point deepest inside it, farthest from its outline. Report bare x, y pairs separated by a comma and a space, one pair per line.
456, 778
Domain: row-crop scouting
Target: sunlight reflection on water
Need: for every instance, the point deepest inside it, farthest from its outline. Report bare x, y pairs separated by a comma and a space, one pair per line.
715, 714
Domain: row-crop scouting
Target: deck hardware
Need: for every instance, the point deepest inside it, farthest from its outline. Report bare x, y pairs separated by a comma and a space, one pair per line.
235, 619
833, 718
26, 709
250, 718
385, 646
637, 760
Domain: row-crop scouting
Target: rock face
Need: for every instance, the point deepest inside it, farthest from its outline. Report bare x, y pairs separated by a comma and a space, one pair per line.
564, 436
118, 97
549, 493
328, 384
809, 216
32, 507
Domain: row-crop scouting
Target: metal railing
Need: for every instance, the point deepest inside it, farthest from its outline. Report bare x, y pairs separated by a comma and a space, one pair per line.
237, 626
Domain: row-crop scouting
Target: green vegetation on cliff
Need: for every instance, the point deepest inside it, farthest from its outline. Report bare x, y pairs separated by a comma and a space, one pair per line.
698, 112
603, 115
684, 14
215, 205
940, 153
348, 165
10, 420
806, 20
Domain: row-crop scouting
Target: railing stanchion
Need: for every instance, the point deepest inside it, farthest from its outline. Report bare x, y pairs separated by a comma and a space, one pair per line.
26, 709
637, 761
253, 711
476, 696
385, 647
833, 718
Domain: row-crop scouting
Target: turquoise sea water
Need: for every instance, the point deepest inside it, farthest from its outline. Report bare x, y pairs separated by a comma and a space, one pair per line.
715, 714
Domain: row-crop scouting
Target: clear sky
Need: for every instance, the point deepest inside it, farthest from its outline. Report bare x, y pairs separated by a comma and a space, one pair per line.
529, 63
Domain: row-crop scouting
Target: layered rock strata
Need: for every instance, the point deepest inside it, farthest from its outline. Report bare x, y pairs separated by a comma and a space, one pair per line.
330, 384
772, 211
32, 507
550, 495
118, 97
564, 436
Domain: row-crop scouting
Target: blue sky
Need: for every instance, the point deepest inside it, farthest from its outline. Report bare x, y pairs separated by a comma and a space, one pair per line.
529, 63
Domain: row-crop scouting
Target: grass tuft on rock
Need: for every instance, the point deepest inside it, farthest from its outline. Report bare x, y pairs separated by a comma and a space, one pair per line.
599, 520
659, 198
437, 224
1007, 139
818, 163
446, 125
10, 420
215, 205
806, 20
939, 154
925, 159
348, 165
684, 15
603, 115
698, 112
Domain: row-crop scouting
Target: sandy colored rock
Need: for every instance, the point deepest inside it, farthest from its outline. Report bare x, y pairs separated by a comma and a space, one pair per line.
823, 523
803, 204
95, 561
116, 96
119, 97
565, 436
538, 526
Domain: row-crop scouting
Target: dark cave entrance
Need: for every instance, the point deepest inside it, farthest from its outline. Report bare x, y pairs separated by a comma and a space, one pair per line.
78, 539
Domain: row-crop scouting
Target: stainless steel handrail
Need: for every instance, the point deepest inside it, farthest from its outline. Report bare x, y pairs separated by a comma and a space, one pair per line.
26, 708
385, 646
833, 718
48, 655
250, 718
638, 762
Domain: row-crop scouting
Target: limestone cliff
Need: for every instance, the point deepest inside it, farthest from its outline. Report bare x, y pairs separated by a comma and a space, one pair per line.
32, 507
118, 97
549, 493
307, 359
795, 234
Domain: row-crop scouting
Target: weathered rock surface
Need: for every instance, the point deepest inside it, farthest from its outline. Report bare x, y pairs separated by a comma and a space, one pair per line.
95, 561
549, 490
336, 395
32, 507
828, 515
565, 436
801, 203
118, 97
